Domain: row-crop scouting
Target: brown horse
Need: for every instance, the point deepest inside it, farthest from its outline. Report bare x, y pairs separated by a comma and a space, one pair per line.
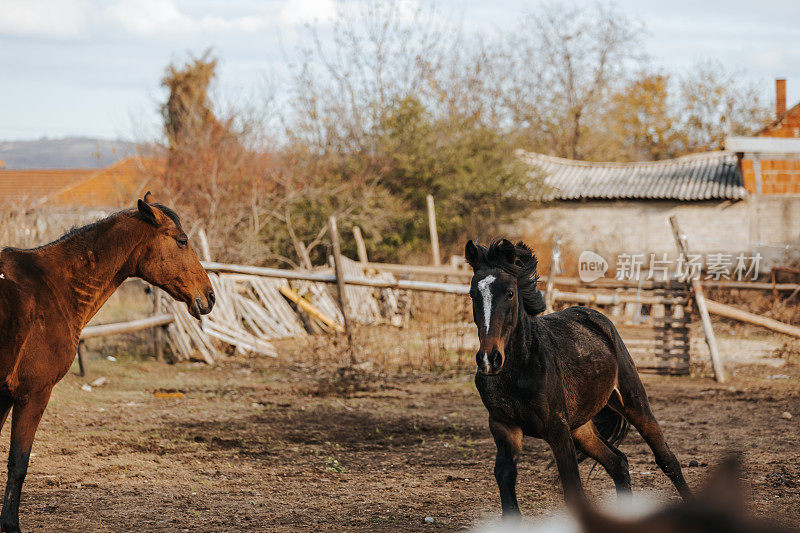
48, 294
550, 377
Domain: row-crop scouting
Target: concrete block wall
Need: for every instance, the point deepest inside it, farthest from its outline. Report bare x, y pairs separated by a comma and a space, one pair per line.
769, 225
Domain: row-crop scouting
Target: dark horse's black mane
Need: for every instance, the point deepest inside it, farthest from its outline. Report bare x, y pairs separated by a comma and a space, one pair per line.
523, 268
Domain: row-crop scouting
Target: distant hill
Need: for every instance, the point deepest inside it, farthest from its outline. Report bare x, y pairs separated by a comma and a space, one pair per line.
69, 152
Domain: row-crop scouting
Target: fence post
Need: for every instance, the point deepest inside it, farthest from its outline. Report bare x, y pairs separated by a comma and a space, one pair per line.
337, 266
158, 332
360, 246
81, 359
204, 249
702, 308
549, 296
434, 234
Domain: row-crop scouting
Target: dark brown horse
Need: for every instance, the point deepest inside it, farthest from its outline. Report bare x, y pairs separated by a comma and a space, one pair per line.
48, 294
549, 377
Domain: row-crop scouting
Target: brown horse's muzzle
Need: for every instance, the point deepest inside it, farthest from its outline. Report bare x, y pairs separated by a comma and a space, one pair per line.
202, 305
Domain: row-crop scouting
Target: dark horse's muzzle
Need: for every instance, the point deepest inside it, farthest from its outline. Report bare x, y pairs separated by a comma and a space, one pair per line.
489, 363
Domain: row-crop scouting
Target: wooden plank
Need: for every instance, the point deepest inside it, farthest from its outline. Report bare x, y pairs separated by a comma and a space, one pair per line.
361, 248
309, 308
752, 318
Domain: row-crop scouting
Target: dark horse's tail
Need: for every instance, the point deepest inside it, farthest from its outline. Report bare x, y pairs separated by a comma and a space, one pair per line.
612, 427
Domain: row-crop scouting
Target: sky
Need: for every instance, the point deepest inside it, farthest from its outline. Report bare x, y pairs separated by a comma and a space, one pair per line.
93, 67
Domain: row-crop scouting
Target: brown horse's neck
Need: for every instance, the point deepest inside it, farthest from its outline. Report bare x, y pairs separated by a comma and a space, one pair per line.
88, 266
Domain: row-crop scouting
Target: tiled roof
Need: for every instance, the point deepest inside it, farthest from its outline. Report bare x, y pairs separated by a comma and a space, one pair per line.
705, 176
28, 187
116, 185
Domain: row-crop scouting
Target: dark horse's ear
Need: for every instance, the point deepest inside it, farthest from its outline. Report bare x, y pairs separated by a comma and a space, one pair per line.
507, 251
473, 254
148, 198
147, 213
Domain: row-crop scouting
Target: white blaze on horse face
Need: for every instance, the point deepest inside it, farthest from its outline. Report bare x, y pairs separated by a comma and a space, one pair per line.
484, 286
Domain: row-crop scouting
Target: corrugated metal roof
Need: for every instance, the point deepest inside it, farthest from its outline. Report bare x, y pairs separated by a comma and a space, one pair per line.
706, 176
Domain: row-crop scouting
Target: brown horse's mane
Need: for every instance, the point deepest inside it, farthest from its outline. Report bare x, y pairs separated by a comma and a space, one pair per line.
77, 231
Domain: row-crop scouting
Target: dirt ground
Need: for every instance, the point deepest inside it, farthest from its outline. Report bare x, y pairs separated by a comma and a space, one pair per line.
259, 445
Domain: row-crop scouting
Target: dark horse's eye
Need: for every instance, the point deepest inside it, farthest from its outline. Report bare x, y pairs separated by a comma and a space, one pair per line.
183, 243
510, 294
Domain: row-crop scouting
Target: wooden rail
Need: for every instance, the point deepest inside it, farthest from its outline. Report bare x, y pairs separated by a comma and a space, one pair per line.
102, 330
91, 332
428, 286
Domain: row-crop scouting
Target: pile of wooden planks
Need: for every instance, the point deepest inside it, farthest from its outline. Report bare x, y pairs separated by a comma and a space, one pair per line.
253, 310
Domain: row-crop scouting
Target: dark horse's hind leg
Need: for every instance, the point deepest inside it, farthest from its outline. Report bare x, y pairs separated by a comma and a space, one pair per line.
509, 443
636, 409
588, 440
24, 421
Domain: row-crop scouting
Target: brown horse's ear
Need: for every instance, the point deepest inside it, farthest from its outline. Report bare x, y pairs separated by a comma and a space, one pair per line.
148, 198
147, 213
473, 254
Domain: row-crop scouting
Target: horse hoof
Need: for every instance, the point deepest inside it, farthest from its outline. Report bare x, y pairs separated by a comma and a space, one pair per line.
512, 517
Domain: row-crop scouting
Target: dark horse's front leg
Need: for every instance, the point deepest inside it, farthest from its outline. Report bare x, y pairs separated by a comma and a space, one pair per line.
25, 419
508, 439
558, 436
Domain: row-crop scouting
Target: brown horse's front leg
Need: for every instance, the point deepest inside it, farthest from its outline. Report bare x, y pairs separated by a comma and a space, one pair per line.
509, 443
559, 438
25, 419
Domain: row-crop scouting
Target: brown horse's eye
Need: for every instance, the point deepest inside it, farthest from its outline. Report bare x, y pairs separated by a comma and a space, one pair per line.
183, 243
510, 294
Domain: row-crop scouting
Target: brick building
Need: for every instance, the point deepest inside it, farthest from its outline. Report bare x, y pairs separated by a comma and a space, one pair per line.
770, 160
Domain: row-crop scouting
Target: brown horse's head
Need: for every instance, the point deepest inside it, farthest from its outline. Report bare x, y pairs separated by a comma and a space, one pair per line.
504, 278
166, 259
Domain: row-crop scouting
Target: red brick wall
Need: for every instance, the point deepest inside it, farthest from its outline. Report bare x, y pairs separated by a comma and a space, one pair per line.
777, 177
789, 126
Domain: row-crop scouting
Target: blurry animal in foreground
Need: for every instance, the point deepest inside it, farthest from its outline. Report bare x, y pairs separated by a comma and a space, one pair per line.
566, 378
719, 507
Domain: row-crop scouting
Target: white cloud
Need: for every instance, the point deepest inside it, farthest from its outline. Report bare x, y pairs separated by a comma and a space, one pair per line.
299, 12
151, 17
44, 18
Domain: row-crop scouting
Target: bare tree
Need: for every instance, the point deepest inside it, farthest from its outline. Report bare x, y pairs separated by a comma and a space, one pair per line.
715, 101
560, 66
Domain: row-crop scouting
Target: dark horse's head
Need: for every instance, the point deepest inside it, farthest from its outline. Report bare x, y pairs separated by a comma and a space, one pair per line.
505, 278
166, 259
